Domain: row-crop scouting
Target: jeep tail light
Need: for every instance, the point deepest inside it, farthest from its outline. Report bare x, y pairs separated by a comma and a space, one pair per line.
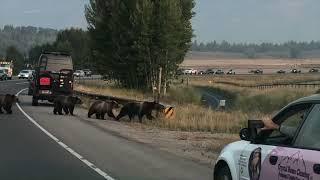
45, 81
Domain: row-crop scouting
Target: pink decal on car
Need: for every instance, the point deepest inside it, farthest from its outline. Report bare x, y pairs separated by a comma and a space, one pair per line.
289, 164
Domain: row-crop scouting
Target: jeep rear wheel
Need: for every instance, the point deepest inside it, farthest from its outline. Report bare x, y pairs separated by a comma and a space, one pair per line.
223, 173
35, 101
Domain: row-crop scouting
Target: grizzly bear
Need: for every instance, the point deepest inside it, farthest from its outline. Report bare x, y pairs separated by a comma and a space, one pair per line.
139, 109
6, 102
100, 108
67, 103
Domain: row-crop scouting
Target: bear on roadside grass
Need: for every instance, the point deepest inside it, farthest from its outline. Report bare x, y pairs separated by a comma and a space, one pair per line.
139, 109
100, 108
6, 102
67, 103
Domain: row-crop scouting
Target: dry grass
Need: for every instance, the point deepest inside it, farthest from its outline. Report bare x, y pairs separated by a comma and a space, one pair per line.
247, 104
196, 118
113, 91
255, 79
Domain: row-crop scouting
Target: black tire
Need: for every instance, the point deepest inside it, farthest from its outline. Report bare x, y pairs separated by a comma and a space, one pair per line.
35, 101
223, 173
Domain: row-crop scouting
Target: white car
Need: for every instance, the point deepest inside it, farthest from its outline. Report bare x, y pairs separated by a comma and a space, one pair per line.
290, 152
79, 73
190, 71
25, 74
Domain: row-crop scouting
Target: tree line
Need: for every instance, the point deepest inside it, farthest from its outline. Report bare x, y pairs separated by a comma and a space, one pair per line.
23, 38
291, 49
74, 41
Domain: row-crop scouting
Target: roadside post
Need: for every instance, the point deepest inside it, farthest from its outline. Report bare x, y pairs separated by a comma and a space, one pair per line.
159, 88
222, 105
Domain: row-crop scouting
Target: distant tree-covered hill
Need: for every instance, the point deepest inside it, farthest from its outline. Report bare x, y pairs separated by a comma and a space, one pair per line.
24, 38
291, 49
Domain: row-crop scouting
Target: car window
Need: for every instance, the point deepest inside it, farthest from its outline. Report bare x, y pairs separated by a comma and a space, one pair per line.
24, 71
290, 121
309, 135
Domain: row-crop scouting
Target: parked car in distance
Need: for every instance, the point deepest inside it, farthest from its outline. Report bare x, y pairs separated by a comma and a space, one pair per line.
209, 71
313, 70
3, 75
219, 71
79, 73
190, 71
256, 71
25, 74
180, 72
295, 71
201, 72
87, 72
281, 71
290, 149
231, 72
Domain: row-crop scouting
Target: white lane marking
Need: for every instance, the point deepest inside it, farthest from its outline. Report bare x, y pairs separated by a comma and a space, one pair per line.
74, 153
22, 83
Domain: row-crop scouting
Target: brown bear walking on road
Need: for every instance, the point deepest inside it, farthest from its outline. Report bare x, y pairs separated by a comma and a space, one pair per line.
6, 102
100, 108
67, 103
139, 109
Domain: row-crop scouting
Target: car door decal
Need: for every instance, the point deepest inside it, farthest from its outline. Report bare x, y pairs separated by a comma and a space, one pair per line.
254, 166
288, 164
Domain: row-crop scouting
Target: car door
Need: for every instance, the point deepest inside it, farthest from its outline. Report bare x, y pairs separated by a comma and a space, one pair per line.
302, 161
259, 161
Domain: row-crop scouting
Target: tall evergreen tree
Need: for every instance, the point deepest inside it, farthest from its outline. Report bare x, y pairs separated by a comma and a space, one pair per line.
132, 39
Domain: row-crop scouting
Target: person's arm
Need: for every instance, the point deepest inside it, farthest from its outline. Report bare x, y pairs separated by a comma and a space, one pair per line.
269, 124
288, 131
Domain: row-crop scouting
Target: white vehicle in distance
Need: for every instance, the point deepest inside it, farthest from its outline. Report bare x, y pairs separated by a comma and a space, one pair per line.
190, 71
79, 73
25, 74
286, 149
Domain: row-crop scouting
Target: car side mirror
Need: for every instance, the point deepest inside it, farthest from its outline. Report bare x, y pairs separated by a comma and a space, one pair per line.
253, 126
245, 134
250, 133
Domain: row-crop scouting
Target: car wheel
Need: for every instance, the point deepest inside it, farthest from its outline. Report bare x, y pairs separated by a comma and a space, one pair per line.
223, 174
35, 101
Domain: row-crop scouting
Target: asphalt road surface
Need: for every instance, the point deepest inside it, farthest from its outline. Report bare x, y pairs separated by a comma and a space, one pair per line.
27, 152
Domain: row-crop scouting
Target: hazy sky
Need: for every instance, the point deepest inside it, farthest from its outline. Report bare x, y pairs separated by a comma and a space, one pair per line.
232, 20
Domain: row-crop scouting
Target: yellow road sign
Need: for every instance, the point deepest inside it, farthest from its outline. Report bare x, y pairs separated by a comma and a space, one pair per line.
169, 112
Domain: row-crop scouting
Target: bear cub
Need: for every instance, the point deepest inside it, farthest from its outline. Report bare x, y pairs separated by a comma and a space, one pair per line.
139, 109
100, 108
6, 102
67, 103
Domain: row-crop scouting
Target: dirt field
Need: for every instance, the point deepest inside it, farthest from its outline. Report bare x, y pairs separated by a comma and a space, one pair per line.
242, 66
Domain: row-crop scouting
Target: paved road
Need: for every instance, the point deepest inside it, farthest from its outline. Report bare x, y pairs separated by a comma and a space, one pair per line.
28, 153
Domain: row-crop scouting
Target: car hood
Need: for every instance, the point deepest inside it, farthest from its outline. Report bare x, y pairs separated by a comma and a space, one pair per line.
235, 146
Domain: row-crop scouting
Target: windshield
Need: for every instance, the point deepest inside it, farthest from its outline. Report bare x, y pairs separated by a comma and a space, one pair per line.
153, 89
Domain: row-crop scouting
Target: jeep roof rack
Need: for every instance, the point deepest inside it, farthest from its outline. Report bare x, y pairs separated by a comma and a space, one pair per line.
57, 53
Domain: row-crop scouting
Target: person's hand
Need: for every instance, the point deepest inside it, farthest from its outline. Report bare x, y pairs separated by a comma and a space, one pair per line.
269, 124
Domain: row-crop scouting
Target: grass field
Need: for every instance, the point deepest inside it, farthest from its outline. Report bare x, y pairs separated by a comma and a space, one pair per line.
254, 79
192, 116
